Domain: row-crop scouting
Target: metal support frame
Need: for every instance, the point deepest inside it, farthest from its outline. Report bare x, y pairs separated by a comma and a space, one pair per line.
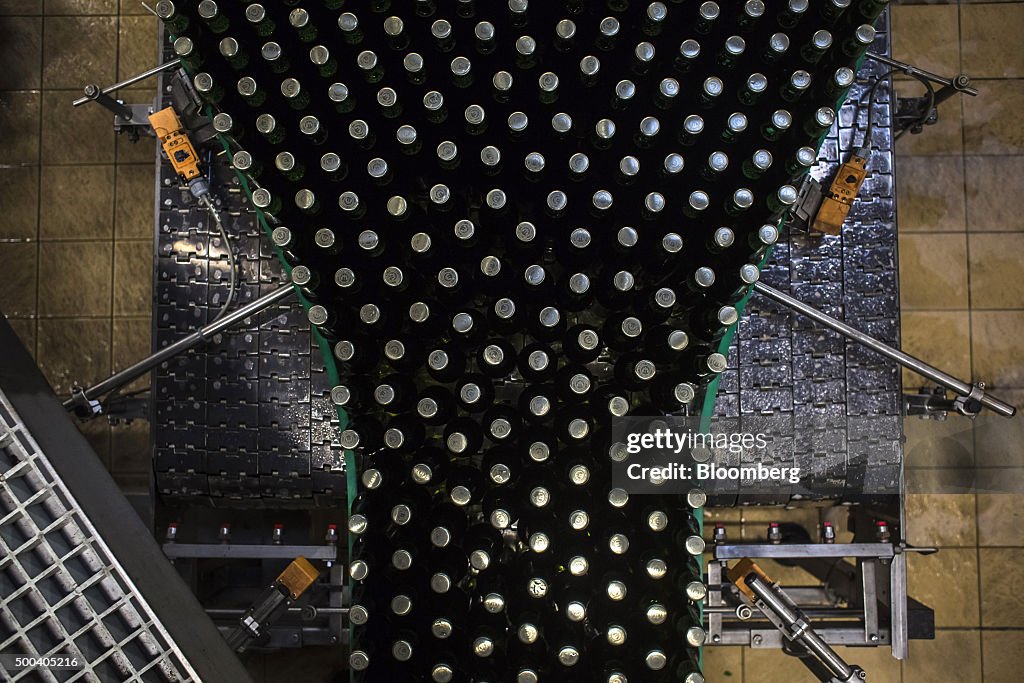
130, 118
913, 113
974, 395
84, 401
862, 604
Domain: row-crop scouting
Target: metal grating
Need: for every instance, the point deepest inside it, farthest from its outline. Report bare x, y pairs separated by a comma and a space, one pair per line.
62, 591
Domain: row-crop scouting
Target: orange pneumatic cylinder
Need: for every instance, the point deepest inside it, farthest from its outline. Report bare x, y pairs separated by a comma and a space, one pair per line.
177, 146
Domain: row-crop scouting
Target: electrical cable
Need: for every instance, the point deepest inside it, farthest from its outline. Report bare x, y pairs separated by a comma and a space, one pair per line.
866, 141
232, 276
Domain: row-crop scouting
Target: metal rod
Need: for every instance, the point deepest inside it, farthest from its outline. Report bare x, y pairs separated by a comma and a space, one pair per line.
906, 360
184, 344
226, 612
130, 80
958, 83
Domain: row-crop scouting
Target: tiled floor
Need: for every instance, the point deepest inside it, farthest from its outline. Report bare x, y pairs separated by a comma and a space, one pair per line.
75, 245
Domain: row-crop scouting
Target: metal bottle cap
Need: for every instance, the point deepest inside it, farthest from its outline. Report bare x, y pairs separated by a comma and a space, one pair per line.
590, 65
616, 590
743, 198
517, 121
716, 362
735, 45
401, 560
441, 29
644, 52
657, 520
462, 323
694, 545
631, 327
625, 90
534, 162
604, 129
654, 202
441, 673
358, 570
461, 66
401, 650
568, 656
548, 81
689, 48
656, 568
502, 81
539, 451
644, 370
696, 591
865, 34
618, 544
576, 611
413, 62
496, 199
358, 615
579, 565
440, 583
262, 198
483, 647
526, 45
359, 660
656, 613
699, 200
825, 116
565, 29
561, 122
695, 636
655, 660
822, 39
579, 163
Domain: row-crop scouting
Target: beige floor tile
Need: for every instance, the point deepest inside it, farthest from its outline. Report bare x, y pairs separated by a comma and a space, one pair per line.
944, 137
997, 348
995, 266
132, 343
133, 278
19, 202
933, 443
943, 520
78, 50
80, 6
74, 279
79, 202
947, 582
26, 330
926, 36
1002, 570
136, 188
877, 661
18, 264
772, 666
1001, 655
73, 351
137, 46
942, 338
956, 652
998, 439
21, 6
20, 52
990, 40
990, 180
131, 7
723, 665
19, 121
1001, 519
933, 271
80, 135
992, 119
930, 194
